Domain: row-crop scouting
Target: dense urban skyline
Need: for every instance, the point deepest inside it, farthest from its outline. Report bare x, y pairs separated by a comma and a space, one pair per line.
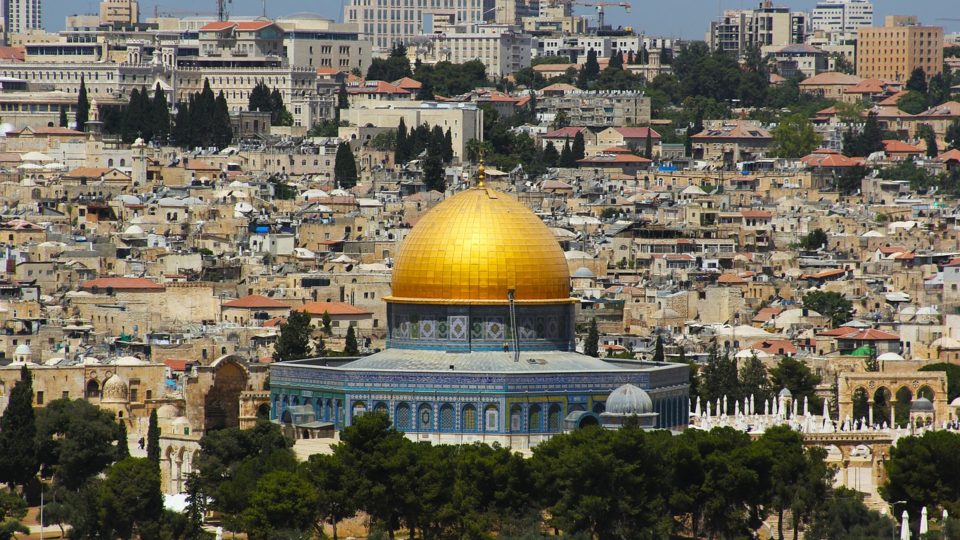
698, 13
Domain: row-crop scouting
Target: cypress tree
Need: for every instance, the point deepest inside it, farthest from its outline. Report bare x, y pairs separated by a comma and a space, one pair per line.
590, 70
433, 173
160, 112
578, 149
223, 131
658, 351
18, 430
591, 345
566, 156
181, 126
400, 153
448, 147
153, 438
648, 146
276, 107
63, 118
550, 155
83, 106
345, 167
343, 99
123, 452
350, 346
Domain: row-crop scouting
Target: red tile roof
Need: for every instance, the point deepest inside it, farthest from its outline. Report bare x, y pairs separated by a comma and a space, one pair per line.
758, 214
830, 159
333, 308
569, 131
892, 146
255, 301
121, 284
637, 132
870, 334
176, 364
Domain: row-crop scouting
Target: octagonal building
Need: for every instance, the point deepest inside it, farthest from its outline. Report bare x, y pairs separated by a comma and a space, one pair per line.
481, 341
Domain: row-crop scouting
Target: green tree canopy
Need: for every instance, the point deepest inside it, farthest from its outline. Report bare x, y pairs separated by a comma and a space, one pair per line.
282, 501
293, 343
345, 167
130, 497
18, 430
76, 441
797, 377
815, 239
591, 344
794, 137
829, 304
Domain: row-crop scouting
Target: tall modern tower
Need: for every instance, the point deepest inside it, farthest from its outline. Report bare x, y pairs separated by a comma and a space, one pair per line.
387, 22
842, 16
21, 15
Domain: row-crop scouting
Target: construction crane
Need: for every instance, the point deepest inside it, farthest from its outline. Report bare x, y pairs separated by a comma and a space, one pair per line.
600, 8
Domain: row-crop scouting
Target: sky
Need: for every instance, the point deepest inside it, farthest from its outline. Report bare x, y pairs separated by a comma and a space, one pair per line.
675, 18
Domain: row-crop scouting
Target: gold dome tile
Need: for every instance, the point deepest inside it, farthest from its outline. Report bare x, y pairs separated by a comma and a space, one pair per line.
476, 246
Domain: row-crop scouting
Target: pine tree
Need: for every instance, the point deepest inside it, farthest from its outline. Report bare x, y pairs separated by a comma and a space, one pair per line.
293, 343
153, 438
591, 345
400, 154
578, 150
930, 138
123, 451
83, 106
18, 430
350, 346
63, 118
345, 167
425, 93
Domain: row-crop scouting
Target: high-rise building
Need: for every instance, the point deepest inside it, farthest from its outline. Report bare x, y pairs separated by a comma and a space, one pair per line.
767, 26
388, 22
842, 16
892, 51
119, 12
21, 15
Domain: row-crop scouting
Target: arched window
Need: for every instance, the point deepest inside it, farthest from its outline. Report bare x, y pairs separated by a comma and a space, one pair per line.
553, 417
402, 419
516, 419
93, 389
491, 418
380, 408
534, 419
425, 418
468, 419
447, 418
359, 408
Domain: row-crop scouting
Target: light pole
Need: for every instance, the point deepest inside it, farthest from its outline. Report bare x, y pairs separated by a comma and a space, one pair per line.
893, 516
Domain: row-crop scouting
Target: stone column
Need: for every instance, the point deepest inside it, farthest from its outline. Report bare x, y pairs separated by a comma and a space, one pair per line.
870, 410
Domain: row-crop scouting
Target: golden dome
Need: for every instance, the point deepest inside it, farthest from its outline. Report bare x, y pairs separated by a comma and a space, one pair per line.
475, 247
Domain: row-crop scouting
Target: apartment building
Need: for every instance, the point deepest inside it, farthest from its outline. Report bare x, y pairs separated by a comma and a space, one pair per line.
502, 48
598, 109
119, 12
387, 22
737, 31
20, 16
843, 17
892, 51
315, 42
465, 120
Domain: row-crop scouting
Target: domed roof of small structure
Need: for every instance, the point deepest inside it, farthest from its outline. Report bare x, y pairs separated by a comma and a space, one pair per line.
890, 356
115, 390
22, 350
785, 393
629, 400
130, 361
955, 402
168, 411
921, 405
584, 273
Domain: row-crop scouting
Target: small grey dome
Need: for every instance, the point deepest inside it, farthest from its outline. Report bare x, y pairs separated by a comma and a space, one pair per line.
629, 400
22, 350
786, 393
921, 405
584, 273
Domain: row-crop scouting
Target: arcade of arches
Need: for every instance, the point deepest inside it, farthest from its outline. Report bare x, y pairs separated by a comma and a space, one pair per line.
887, 397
